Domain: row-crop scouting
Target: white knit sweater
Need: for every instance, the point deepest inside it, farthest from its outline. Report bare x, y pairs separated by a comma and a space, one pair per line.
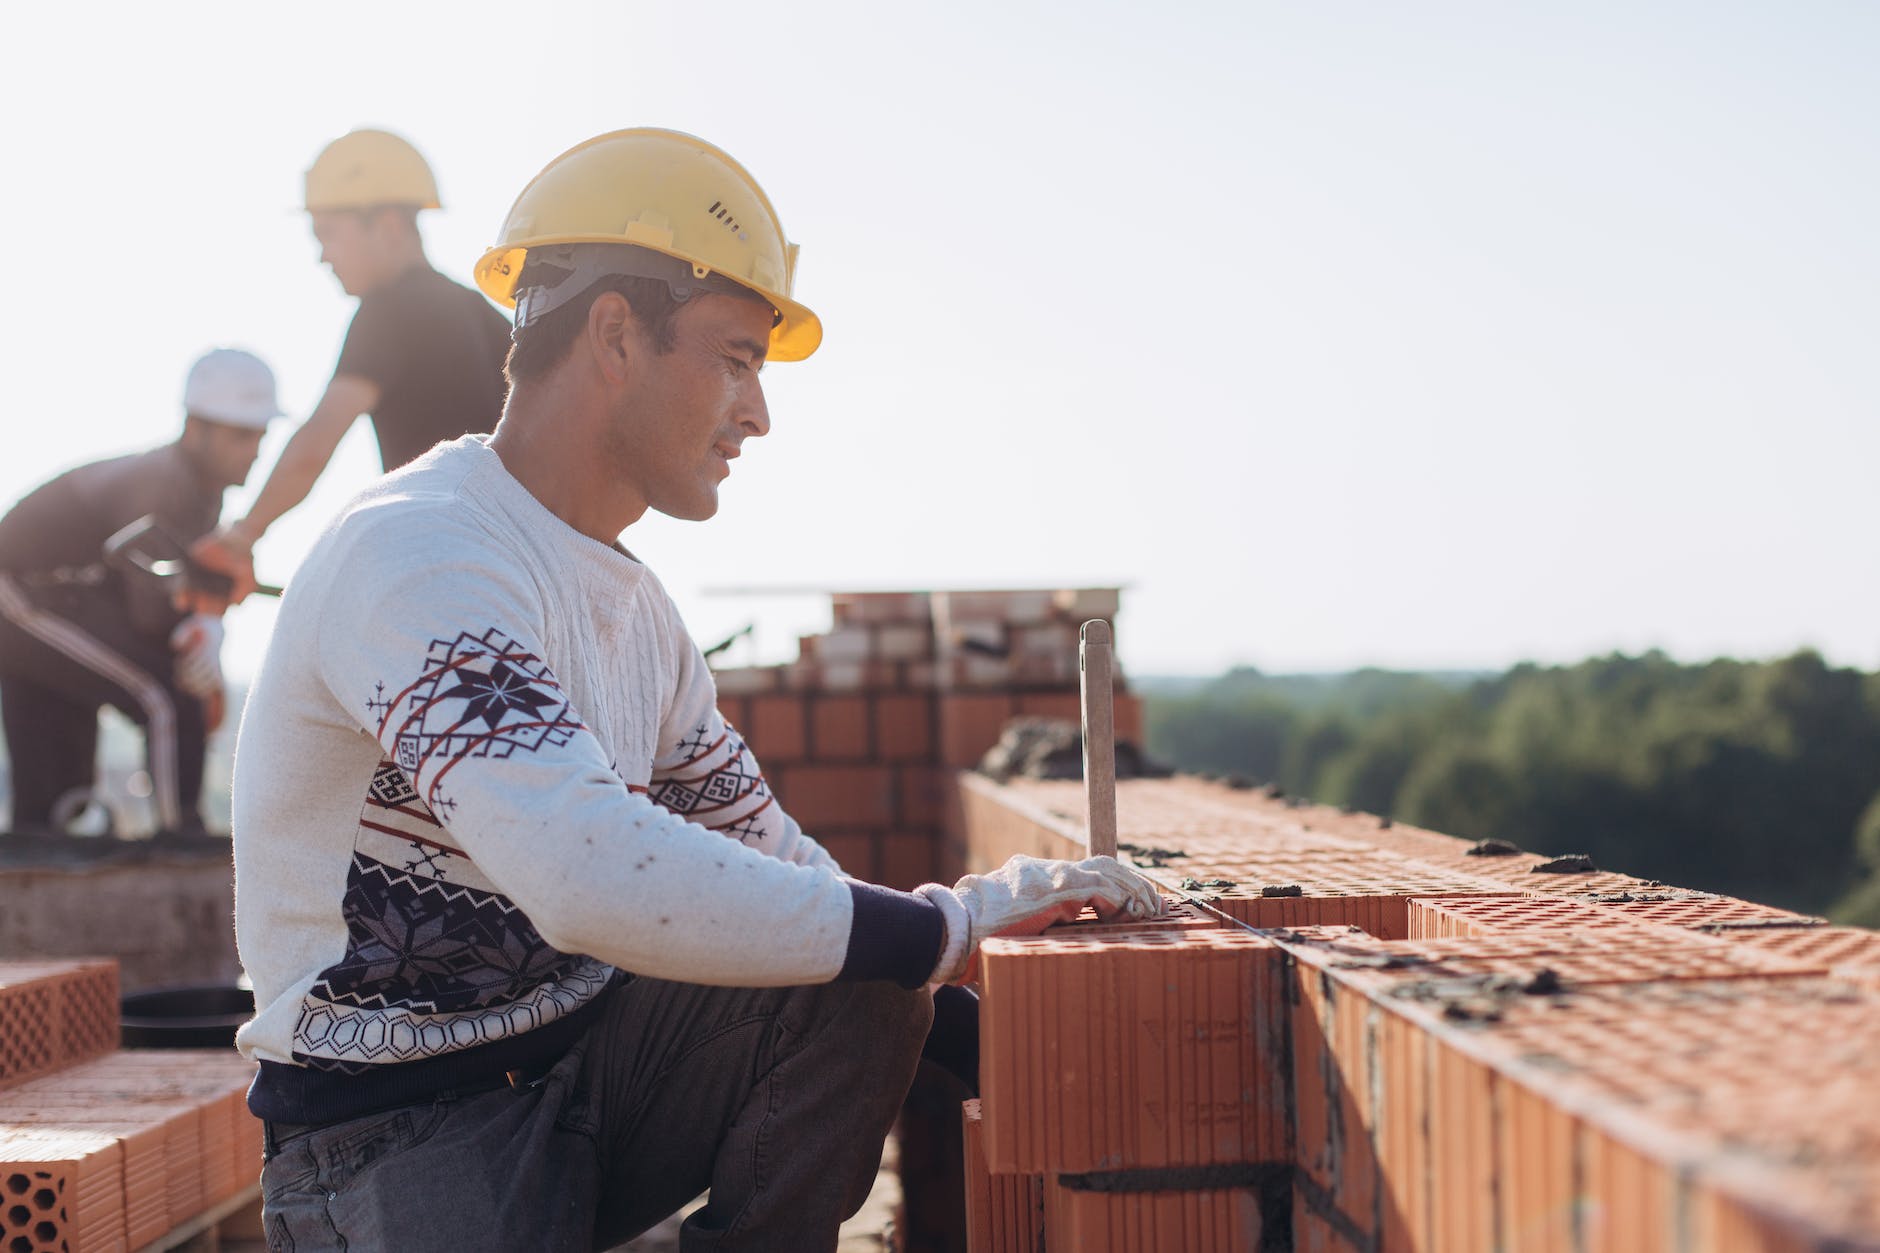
457, 794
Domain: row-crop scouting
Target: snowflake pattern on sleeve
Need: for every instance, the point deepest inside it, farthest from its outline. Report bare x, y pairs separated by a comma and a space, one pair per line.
718, 784
479, 696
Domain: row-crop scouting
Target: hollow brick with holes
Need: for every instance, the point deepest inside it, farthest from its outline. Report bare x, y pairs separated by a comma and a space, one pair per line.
61, 1189
1576, 959
1370, 891
1004, 1213
149, 1134
1144, 1049
1222, 1220
53, 1013
1845, 952
1440, 917
1334, 1114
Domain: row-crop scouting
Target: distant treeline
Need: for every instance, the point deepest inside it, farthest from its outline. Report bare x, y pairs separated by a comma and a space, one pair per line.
1758, 779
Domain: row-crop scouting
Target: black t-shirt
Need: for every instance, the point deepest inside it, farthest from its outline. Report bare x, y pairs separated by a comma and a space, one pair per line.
435, 351
63, 524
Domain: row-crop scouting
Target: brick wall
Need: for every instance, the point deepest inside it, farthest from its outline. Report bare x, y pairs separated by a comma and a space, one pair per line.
1503, 1057
861, 734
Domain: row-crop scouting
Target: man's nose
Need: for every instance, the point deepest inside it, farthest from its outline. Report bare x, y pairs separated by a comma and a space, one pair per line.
754, 414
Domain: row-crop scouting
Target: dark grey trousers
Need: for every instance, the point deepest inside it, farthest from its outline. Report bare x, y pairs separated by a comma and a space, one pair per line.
776, 1099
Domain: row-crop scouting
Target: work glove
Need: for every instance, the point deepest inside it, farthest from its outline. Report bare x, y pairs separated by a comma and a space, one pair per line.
230, 551
1028, 894
197, 643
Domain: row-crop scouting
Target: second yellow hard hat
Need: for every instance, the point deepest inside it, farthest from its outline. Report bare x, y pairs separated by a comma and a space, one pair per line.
368, 168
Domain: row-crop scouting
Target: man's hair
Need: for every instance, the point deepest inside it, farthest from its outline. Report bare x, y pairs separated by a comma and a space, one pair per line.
545, 342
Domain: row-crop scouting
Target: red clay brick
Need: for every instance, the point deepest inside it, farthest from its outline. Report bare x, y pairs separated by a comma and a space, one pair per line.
1159, 1049
909, 859
747, 680
60, 1188
1403, 1145
1126, 714
904, 727
1221, 1221
735, 710
838, 729
1335, 1113
776, 732
55, 1012
1845, 952
836, 796
1065, 706
1004, 1213
970, 724
1537, 1173
1495, 915
994, 828
1630, 1198
1312, 1233
1699, 909
852, 607
904, 641
920, 793
1367, 890
854, 852
1462, 1151
1577, 959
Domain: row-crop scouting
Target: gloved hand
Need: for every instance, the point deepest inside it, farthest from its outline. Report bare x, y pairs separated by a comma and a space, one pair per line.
228, 550
1027, 894
197, 643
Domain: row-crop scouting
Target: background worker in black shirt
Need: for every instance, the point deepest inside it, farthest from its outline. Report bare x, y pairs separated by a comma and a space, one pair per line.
80, 630
424, 355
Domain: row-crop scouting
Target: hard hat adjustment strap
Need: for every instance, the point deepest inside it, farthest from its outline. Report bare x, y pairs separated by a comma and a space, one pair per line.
554, 274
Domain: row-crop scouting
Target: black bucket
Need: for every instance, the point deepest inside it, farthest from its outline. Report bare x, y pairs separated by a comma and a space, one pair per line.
185, 1018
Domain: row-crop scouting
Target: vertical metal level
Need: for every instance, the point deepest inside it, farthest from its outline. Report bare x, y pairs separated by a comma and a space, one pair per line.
1095, 662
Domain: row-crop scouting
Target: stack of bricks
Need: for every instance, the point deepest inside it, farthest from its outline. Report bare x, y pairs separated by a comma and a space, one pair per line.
104, 1150
860, 736
1393, 1039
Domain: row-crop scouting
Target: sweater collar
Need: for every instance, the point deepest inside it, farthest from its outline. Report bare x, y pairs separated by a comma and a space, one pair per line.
492, 483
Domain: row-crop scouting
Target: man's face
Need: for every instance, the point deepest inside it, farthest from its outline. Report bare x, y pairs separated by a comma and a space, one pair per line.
351, 245
687, 411
228, 452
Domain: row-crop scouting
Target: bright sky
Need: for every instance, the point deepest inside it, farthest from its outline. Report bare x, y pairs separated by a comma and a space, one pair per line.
1441, 334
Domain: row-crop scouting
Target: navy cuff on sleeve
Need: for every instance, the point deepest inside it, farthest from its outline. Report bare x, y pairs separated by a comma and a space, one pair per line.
894, 935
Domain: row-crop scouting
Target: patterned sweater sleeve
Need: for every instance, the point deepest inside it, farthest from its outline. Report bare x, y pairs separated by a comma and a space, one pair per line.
706, 771
441, 661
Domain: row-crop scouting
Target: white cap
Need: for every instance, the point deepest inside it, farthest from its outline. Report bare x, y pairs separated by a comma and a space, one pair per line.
233, 387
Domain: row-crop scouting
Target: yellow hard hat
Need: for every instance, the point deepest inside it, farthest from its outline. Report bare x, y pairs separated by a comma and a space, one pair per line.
367, 168
668, 193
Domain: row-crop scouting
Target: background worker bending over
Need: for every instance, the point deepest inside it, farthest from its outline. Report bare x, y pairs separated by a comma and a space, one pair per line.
423, 356
79, 631
537, 956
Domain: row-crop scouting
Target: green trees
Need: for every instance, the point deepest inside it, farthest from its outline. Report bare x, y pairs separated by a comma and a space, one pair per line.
1751, 778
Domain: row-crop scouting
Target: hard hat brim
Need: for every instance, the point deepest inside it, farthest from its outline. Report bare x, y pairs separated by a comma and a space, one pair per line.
797, 334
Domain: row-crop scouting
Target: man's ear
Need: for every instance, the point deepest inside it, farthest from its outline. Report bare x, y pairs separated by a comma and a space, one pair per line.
613, 335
